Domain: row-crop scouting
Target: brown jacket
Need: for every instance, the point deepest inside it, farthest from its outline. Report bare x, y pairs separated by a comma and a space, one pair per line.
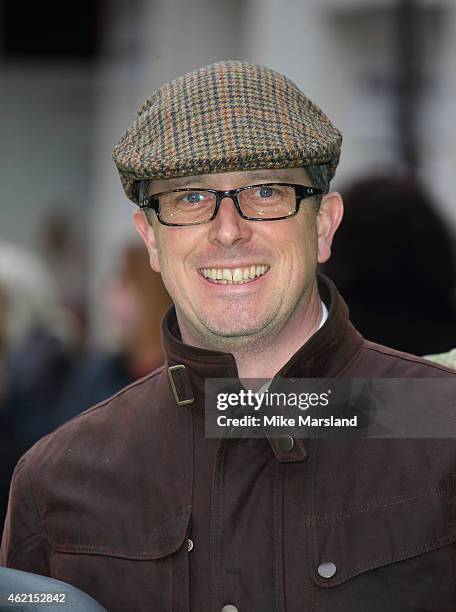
113, 501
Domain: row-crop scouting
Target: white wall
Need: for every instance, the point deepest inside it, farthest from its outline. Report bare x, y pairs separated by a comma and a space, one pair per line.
46, 116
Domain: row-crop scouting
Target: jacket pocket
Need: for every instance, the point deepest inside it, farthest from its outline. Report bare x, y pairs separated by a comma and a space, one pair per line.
122, 576
396, 554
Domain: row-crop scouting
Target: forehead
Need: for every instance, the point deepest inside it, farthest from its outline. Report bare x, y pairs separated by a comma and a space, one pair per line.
231, 180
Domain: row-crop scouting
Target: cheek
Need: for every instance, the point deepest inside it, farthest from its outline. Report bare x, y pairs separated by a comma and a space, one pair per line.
167, 250
167, 271
172, 253
303, 246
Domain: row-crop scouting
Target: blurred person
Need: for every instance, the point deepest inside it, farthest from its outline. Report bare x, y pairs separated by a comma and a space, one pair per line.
10, 451
137, 301
230, 167
36, 348
394, 243
3, 324
447, 359
65, 256
134, 304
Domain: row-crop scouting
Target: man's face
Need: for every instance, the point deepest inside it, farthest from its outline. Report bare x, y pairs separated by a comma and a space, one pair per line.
277, 259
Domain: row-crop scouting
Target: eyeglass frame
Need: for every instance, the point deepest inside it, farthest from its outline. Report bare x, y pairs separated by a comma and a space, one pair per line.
301, 193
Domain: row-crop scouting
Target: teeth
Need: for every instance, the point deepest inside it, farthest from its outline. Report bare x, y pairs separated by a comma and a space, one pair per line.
237, 274
232, 276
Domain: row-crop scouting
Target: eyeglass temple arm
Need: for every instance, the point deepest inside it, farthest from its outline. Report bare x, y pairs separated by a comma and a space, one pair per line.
149, 202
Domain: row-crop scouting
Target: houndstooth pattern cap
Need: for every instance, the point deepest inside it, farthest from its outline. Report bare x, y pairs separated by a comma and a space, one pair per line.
224, 117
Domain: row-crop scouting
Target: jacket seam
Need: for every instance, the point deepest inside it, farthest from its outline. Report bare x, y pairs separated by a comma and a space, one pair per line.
278, 527
216, 519
402, 357
404, 553
383, 503
354, 357
314, 593
23, 544
40, 533
99, 550
120, 393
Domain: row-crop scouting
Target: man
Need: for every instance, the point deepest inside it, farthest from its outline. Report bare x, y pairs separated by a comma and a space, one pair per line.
130, 501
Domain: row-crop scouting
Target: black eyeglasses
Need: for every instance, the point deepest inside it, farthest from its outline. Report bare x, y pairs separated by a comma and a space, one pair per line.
265, 202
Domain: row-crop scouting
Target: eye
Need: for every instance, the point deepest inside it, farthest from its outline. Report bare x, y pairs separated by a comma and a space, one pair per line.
194, 197
265, 191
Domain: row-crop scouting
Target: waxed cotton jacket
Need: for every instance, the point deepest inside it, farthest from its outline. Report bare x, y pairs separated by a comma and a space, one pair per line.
132, 504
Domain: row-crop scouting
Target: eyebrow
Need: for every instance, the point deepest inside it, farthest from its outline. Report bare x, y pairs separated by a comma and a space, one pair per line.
194, 181
186, 181
260, 176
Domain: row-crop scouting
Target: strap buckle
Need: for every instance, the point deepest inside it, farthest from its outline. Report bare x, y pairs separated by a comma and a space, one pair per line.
174, 368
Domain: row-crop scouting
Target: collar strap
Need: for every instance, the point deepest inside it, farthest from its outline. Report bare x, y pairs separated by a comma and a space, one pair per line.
180, 384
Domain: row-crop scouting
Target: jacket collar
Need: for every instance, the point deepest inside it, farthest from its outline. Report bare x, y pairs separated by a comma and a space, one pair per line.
324, 355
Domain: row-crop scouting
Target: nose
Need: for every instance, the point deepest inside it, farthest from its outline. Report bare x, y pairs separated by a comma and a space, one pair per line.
228, 227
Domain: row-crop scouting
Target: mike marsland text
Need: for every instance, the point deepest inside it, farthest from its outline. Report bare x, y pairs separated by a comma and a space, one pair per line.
282, 421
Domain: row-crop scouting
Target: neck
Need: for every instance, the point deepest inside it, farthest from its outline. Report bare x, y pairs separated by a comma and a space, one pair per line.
263, 357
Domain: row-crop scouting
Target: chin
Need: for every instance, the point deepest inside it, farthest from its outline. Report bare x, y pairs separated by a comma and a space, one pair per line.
239, 327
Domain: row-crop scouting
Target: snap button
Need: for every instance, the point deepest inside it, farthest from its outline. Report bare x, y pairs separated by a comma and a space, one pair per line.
286, 443
189, 545
229, 608
327, 569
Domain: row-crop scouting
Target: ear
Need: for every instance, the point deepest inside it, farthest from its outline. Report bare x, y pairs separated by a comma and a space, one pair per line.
147, 233
328, 220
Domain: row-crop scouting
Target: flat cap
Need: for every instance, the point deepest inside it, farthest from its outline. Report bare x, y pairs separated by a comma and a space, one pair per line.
224, 117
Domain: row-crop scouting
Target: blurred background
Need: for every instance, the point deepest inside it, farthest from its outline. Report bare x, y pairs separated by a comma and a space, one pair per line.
79, 306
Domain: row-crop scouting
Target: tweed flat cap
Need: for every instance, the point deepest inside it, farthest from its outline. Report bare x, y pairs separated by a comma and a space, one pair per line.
224, 117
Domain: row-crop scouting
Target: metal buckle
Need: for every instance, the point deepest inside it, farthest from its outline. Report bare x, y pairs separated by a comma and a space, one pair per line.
179, 402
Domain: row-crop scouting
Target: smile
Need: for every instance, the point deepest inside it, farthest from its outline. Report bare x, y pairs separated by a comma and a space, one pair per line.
234, 276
